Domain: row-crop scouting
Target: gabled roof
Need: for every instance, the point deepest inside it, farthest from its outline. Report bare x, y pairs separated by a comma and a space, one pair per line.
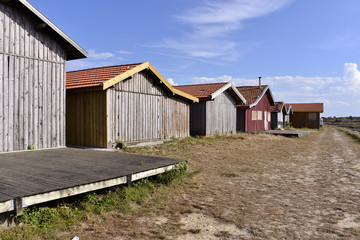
106, 77
73, 50
278, 107
253, 94
210, 91
95, 77
307, 107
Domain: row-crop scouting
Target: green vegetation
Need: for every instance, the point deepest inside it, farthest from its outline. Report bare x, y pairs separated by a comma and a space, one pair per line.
47, 221
31, 147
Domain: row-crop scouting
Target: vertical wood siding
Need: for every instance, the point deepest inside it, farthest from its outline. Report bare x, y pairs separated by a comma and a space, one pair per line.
257, 125
32, 85
221, 115
302, 120
86, 118
140, 108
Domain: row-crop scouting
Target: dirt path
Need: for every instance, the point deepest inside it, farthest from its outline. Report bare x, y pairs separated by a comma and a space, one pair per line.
254, 187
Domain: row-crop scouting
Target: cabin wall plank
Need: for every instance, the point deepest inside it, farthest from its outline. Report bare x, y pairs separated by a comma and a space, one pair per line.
32, 88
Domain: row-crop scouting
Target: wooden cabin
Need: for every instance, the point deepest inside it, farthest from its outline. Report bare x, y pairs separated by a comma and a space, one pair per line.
216, 111
33, 54
255, 115
125, 103
306, 115
280, 115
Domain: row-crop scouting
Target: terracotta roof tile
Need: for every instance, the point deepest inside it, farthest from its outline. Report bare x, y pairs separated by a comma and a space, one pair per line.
251, 93
95, 76
307, 107
201, 91
278, 106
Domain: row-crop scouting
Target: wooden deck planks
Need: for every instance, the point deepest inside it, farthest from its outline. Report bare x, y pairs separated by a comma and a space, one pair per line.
30, 173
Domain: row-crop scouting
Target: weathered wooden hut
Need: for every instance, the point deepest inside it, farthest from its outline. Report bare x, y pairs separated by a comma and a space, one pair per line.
124, 103
306, 115
216, 111
280, 114
256, 114
33, 54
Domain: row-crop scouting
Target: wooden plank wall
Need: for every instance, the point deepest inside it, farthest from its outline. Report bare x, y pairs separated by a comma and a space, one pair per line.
140, 108
32, 85
258, 125
302, 120
86, 118
221, 115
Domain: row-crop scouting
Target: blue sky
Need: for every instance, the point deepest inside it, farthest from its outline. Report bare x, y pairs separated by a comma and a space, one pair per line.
306, 50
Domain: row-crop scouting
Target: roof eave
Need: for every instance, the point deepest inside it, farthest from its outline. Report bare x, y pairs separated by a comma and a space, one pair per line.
259, 98
73, 50
226, 87
141, 67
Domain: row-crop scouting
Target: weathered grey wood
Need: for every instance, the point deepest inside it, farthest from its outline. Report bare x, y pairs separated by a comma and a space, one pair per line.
221, 115
32, 89
30, 173
214, 117
140, 109
1, 97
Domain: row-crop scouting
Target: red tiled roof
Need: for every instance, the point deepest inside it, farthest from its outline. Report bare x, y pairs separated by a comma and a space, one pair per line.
95, 76
278, 106
251, 93
307, 107
201, 90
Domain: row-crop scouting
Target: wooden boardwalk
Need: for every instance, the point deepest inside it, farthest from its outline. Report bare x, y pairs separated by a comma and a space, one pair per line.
33, 177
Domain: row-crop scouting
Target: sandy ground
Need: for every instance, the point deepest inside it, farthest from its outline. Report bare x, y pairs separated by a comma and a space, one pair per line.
250, 186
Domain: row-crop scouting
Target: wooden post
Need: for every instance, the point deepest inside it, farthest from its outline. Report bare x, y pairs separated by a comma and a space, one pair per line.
18, 206
128, 180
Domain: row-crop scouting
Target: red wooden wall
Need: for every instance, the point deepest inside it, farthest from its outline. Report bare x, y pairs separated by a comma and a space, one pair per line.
258, 125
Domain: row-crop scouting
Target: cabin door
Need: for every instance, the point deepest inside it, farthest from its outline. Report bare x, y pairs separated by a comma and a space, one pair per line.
266, 125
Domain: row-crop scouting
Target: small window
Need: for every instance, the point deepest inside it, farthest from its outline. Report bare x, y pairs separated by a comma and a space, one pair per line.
259, 115
254, 115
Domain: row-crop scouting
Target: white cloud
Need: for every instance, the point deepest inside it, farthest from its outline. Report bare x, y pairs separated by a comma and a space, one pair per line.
352, 77
342, 103
211, 23
171, 81
123, 52
340, 95
228, 13
97, 59
84, 64
94, 55
226, 78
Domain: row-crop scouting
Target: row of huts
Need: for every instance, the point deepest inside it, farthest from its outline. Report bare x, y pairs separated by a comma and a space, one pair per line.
43, 106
